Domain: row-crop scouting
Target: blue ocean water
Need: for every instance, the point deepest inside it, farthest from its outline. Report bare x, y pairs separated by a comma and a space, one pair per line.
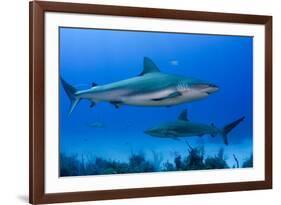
106, 56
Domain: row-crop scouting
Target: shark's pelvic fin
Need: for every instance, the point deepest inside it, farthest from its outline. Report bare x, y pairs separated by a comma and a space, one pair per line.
149, 66
70, 91
92, 104
183, 115
116, 104
172, 95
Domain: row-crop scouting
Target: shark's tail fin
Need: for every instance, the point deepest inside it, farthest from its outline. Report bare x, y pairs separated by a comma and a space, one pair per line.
70, 91
227, 128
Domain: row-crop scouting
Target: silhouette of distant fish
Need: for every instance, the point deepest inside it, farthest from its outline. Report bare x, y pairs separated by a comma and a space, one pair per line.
96, 125
174, 62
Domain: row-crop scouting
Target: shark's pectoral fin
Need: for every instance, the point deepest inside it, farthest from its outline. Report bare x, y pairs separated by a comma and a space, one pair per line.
183, 115
172, 95
175, 94
171, 133
116, 104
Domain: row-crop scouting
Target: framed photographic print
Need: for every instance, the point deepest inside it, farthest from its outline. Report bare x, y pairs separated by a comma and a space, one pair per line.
139, 102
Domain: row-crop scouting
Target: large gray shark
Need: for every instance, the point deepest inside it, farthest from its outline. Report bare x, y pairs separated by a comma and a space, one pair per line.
149, 88
182, 127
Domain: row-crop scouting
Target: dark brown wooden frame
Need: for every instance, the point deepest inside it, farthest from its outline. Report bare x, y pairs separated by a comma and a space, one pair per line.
37, 95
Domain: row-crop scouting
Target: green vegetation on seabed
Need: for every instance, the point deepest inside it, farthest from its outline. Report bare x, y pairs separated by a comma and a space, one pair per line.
194, 160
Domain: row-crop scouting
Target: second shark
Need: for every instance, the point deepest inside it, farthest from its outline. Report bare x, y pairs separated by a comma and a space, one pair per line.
182, 127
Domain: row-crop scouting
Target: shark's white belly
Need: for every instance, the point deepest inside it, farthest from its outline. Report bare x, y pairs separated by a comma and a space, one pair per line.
148, 99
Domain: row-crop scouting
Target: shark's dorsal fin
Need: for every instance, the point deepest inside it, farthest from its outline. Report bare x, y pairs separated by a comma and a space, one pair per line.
149, 66
183, 115
94, 84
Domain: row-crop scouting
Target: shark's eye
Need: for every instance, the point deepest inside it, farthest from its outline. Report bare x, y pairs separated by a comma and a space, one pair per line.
212, 85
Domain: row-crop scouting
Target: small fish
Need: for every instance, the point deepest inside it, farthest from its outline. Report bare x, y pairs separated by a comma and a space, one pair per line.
96, 125
174, 62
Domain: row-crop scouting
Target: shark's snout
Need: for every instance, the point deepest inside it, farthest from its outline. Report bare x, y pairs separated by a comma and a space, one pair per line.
152, 132
211, 88
149, 132
208, 88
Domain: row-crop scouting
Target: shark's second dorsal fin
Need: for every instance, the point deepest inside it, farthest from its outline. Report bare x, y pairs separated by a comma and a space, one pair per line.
183, 115
149, 66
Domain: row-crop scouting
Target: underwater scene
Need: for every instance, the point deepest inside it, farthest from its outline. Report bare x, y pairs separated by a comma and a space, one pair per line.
139, 101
